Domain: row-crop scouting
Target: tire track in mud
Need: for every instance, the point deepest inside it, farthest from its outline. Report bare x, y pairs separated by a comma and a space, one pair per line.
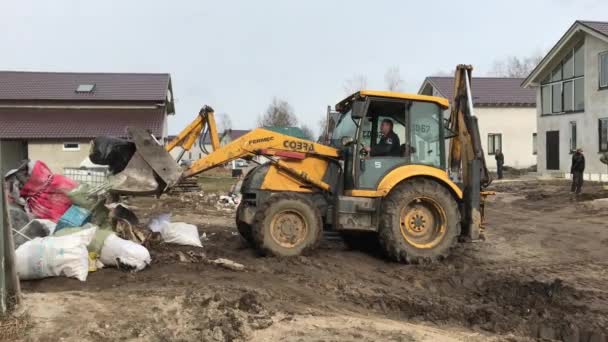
499, 303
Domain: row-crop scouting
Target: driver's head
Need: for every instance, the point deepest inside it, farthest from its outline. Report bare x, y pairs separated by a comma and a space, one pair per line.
386, 126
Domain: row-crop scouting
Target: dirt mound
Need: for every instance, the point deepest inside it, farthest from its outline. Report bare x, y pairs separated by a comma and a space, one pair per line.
500, 305
228, 319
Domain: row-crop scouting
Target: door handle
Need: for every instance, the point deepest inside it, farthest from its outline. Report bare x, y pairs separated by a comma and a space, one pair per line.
362, 165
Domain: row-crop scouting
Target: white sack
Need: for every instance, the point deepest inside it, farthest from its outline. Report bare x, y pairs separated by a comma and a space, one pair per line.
181, 233
55, 256
117, 251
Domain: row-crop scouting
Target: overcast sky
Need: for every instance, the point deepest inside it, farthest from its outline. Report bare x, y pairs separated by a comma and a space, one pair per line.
237, 55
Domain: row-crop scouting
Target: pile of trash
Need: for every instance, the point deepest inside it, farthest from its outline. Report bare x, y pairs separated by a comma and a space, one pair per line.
65, 228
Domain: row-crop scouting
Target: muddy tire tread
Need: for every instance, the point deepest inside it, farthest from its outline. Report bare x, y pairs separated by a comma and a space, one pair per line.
258, 231
390, 241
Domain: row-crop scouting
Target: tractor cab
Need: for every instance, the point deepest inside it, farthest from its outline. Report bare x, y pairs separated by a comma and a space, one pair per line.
417, 136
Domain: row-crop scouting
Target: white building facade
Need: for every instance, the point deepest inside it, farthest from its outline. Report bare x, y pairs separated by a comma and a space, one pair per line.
571, 85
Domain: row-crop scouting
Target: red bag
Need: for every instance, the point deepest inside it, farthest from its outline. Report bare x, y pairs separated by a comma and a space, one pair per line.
45, 193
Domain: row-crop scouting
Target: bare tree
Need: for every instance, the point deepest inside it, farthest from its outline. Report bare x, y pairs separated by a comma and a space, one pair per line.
392, 79
323, 129
308, 133
355, 84
514, 66
224, 122
279, 113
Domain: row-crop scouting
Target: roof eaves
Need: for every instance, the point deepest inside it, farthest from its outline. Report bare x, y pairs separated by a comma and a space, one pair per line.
587, 22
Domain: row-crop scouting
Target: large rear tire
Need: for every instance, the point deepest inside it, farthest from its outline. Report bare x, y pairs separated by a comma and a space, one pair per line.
287, 224
420, 222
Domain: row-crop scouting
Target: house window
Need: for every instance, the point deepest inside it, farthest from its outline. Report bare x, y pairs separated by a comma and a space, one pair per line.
572, 136
494, 142
563, 91
85, 88
604, 69
603, 127
534, 143
71, 146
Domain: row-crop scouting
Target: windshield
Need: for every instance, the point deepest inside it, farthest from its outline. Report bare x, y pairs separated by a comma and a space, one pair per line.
345, 128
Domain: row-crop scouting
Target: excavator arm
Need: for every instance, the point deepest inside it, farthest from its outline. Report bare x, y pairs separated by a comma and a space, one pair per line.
466, 160
202, 125
258, 142
273, 146
466, 146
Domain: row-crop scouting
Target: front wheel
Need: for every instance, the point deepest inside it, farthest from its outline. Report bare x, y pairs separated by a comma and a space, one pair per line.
287, 224
420, 222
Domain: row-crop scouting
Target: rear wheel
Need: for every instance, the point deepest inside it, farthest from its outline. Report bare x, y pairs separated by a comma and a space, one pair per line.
420, 222
287, 224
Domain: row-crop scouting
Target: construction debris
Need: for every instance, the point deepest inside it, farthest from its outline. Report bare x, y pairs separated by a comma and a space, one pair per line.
50, 217
175, 232
229, 264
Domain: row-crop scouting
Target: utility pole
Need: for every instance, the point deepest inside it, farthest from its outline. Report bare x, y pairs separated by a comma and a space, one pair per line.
10, 291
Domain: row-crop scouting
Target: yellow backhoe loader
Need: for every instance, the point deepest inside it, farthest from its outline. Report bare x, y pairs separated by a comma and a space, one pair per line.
417, 204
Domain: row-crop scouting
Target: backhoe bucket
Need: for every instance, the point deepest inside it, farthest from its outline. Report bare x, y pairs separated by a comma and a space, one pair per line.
151, 170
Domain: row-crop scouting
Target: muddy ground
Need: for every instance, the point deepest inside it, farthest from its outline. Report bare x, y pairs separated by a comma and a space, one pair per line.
541, 273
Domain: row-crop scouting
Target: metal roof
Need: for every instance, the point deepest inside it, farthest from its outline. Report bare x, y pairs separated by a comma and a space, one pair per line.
34, 86
32, 123
488, 91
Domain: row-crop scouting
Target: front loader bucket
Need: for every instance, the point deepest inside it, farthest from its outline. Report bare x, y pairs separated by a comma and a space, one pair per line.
151, 170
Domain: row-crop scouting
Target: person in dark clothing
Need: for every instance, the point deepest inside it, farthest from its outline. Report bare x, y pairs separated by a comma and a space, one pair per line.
389, 145
500, 161
577, 169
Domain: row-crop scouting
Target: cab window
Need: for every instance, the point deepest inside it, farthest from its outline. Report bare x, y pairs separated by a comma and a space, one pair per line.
379, 111
346, 127
425, 127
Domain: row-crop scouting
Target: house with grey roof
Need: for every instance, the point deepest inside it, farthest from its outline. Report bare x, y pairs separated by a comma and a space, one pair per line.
506, 115
52, 116
571, 84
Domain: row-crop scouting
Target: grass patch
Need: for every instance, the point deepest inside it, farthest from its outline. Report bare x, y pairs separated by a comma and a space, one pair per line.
216, 183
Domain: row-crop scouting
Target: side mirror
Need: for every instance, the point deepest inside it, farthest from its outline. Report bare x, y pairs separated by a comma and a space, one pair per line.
358, 109
346, 140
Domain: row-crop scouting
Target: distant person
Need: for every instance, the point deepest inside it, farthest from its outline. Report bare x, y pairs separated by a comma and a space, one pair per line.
500, 161
577, 169
389, 145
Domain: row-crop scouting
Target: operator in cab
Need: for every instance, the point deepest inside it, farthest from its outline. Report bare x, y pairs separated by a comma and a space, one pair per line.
389, 145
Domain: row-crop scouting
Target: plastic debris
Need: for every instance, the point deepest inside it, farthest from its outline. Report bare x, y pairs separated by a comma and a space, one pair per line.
35, 228
113, 152
75, 216
45, 193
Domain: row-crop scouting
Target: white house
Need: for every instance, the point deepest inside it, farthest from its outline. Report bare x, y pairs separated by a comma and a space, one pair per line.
506, 115
571, 84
